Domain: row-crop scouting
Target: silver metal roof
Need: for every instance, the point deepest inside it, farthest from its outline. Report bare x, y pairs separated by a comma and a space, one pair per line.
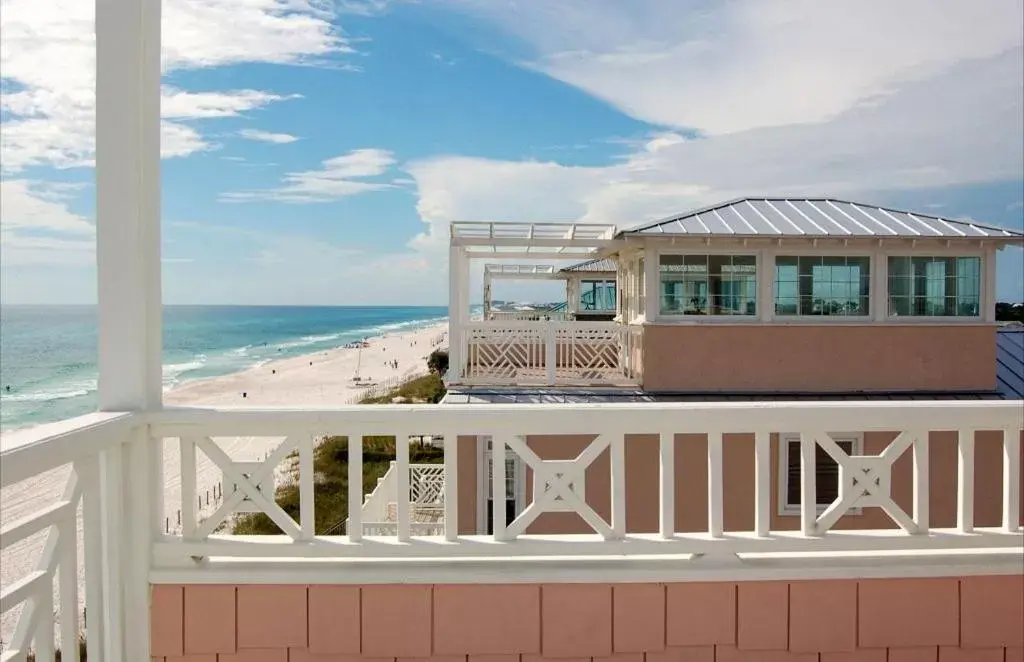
601, 265
817, 217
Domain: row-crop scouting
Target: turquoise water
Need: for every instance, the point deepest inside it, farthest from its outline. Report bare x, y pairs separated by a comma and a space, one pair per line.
48, 353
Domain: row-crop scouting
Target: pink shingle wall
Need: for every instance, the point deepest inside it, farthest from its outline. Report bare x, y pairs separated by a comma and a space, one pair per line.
946, 619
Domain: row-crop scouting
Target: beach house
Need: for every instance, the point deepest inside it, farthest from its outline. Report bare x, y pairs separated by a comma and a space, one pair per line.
789, 443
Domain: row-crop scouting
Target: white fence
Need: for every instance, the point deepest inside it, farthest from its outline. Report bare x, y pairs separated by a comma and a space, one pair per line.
426, 499
118, 478
528, 315
550, 353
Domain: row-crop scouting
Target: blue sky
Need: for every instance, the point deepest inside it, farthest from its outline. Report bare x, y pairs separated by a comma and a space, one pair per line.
315, 152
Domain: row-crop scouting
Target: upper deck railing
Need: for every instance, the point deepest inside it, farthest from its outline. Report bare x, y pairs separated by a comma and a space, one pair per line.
120, 467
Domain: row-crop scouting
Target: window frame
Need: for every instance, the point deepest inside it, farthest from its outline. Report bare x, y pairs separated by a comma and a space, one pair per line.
984, 286
754, 252
786, 509
873, 260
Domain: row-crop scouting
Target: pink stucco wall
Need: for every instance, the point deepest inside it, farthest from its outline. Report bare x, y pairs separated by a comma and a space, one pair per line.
948, 619
777, 357
642, 486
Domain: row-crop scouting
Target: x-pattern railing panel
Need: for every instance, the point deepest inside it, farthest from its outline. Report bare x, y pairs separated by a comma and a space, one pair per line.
426, 484
866, 480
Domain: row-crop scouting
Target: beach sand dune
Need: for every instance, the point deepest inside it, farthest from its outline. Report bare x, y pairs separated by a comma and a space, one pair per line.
321, 379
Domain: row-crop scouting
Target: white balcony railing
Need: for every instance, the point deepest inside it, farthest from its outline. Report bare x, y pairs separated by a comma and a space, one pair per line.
528, 315
116, 467
550, 353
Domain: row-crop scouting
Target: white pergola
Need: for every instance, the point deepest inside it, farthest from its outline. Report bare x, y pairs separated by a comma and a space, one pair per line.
494, 272
523, 241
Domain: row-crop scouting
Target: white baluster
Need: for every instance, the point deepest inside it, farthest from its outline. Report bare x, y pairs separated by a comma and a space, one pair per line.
1011, 480
965, 482
715, 492
618, 470
921, 515
402, 485
67, 576
307, 513
762, 483
498, 486
355, 486
188, 487
451, 485
550, 352
43, 638
808, 487
92, 516
667, 476
111, 488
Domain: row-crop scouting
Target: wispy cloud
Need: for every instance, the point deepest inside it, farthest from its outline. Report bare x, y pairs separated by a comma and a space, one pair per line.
447, 61
267, 136
49, 55
337, 177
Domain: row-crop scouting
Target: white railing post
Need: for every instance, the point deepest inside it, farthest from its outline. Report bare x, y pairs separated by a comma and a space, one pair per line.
808, 487
139, 538
965, 481
456, 323
1011, 480
88, 471
762, 483
188, 487
715, 491
550, 351
451, 485
618, 471
402, 486
112, 536
667, 481
307, 512
921, 515
498, 486
355, 487
67, 571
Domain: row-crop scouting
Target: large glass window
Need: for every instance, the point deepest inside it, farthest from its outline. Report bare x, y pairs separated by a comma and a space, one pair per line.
597, 295
830, 285
708, 284
926, 286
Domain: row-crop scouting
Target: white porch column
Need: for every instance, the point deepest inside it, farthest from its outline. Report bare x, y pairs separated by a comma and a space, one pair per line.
128, 203
129, 298
652, 285
458, 309
572, 294
487, 294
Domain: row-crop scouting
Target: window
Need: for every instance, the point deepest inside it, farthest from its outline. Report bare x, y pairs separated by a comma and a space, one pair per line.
708, 284
826, 471
923, 286
827, 285
597, 295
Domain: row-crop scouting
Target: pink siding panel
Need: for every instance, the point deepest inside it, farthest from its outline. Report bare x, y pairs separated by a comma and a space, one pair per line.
334, 620
909, 612
486, 620
893, 620
576, 620
396, 621
823, 616
861, 655
168, 612
917, 654
992, 611
763, 616
955, 654
638, 618
700, 614
683, 654
270, 616
733, 654
209, 623
256, 655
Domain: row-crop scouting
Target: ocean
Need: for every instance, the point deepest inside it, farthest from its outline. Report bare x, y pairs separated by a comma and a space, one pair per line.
48, 353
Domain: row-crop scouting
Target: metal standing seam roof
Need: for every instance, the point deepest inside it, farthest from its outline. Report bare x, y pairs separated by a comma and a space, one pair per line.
817, 217
601, 265
1010, 362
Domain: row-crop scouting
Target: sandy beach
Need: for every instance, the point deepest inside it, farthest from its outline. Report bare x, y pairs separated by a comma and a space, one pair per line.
322, 379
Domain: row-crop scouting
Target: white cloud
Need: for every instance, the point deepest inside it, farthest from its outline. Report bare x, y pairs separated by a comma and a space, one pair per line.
47, 52
723, 67
338, 177
267, 136
961, 127
26, 204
